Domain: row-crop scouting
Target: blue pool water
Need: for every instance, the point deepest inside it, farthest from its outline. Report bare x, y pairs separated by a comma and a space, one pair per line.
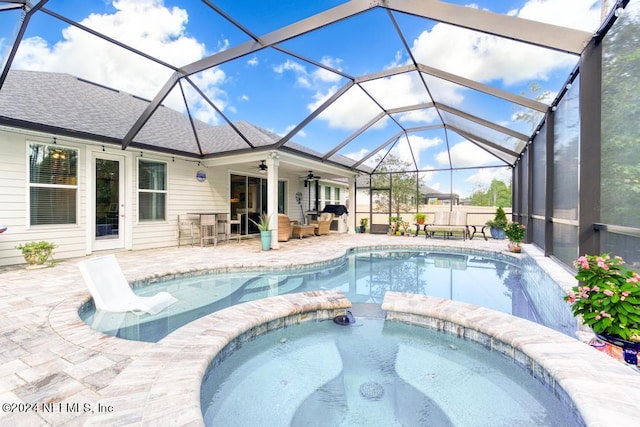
499, 282
373, 373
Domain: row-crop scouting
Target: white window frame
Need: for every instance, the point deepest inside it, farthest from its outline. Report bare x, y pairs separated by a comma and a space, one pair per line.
31, 185
144, 190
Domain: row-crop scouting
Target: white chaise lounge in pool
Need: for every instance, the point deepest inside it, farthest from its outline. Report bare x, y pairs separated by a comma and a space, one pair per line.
111, 291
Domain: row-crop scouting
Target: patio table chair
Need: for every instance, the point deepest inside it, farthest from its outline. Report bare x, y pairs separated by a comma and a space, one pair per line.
323, 223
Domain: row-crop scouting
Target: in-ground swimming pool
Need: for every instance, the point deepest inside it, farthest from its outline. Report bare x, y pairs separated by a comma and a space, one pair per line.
500, 282
373, 373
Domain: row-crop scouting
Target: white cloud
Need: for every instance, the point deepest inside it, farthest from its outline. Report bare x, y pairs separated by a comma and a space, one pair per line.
300, 72
487, 58
290, 65
419, 144
470, 54
253, 62
146, 25
315, 80
350, 111
422, 117
354, 108
398, 90
465, 154
578, 14
483, 177
209, 82
289, 128
360, 154
326, 76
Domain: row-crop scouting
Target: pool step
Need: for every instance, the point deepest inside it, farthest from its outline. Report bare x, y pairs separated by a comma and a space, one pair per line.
266, 287
374, 311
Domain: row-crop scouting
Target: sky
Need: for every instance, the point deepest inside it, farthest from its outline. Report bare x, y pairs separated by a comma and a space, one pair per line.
277, 91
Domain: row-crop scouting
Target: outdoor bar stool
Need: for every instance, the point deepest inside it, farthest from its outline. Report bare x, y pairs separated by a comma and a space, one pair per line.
188, 228
208, 229
237, 233
222, 226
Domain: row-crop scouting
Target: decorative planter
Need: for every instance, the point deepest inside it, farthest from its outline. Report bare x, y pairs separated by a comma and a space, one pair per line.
265, 240
37, 254
497, 233
514, 247
617, 348
363, 228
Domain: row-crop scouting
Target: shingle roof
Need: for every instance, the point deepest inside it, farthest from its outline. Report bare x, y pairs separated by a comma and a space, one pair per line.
66, 103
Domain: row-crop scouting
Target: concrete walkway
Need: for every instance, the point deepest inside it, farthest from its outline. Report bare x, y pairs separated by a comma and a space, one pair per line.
55, 370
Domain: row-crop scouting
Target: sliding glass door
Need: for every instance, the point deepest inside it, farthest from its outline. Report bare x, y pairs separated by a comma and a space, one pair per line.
249, 199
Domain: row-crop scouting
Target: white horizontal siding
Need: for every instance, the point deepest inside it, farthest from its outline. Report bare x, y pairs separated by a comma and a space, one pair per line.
184, 194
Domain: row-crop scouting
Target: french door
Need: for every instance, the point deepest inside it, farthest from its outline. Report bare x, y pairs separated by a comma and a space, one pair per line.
108, 201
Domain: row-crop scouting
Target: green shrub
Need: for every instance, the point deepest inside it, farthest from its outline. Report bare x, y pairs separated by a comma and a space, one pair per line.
499, 221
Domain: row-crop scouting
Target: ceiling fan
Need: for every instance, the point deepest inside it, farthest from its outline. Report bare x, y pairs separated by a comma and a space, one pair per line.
262, 167
311, 177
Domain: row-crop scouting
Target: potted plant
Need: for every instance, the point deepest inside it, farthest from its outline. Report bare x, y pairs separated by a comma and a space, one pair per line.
394, 222
363, 224
265, 232
498, 224
420, 218
515, 233
37, 254
607, 299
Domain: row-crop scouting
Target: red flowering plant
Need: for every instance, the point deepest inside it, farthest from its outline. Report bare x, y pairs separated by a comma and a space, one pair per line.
607, 297
515, 232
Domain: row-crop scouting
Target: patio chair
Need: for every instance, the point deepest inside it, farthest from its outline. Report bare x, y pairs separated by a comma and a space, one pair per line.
111, 291
188, 228
323, 223
284, 228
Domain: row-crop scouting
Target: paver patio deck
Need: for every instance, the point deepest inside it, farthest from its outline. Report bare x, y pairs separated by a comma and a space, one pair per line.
55, 370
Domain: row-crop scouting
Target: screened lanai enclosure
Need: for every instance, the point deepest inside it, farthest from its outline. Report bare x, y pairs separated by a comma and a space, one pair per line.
417, 105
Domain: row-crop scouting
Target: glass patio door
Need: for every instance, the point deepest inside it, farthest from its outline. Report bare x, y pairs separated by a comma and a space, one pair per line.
108, 202
248, 201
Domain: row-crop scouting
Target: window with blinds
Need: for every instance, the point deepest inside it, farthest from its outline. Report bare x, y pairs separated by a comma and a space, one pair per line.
152, 190
53, 184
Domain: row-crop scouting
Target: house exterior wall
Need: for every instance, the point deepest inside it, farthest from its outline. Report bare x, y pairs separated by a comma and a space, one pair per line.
184, 194
14, 196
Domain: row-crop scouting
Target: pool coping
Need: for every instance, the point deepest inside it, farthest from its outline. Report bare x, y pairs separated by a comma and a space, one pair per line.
134, 395
599, 387
172, 371
169, 374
